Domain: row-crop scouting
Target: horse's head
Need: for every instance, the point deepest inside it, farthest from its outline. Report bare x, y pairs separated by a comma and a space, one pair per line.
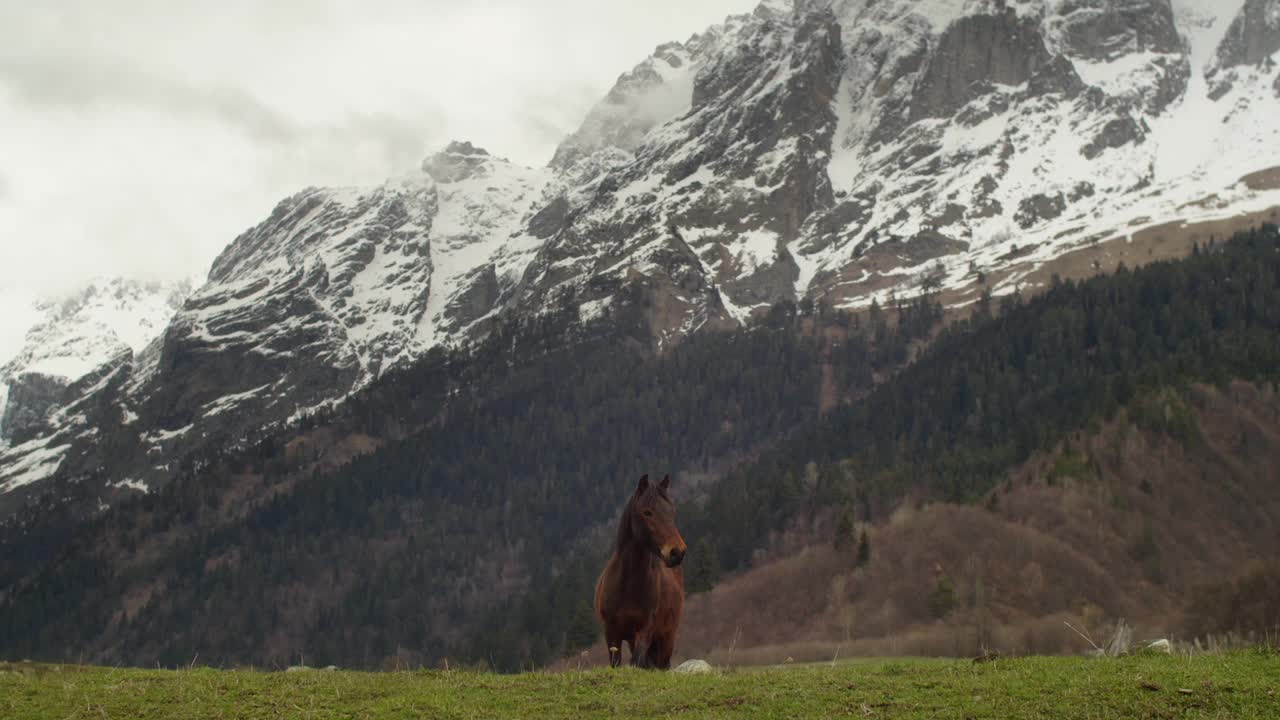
651, 520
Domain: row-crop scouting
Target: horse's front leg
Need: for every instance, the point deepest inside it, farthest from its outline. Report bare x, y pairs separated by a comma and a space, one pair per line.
613, 640
661, 647
640, 652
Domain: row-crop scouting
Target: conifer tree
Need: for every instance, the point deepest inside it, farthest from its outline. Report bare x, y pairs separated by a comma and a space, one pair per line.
701, 567
864, 549
584, 629
844, 531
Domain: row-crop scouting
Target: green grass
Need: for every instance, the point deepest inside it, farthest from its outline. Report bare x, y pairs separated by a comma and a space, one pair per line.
1240, 685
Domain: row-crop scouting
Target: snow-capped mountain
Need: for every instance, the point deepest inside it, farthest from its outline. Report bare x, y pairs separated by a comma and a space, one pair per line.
336, 287
844, 150
74, 343
841, 150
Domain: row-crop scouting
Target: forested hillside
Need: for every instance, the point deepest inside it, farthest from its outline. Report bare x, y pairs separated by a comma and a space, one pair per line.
1004, 384
457, 508
989, 393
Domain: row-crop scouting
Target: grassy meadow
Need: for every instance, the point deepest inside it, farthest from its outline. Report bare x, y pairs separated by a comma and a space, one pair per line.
1237, 685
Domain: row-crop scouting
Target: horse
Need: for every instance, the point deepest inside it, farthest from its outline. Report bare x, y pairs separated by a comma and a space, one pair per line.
640, 593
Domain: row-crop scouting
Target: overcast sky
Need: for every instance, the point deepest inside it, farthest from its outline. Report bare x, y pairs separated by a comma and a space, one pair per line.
139, 137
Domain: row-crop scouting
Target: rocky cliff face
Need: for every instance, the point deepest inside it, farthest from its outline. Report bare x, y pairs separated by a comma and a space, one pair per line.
1253, 36
840, 150
1248, 47
31, 398
974, 53
1102, 30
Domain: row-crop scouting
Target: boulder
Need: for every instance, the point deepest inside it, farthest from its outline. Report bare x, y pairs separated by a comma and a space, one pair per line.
693, 667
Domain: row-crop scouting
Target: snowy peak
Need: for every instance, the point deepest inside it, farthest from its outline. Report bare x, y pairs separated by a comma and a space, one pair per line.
457, 161
78, 335
660, 89
133, 312
336, 287
705, 203
479, 243
655, 91
321, 295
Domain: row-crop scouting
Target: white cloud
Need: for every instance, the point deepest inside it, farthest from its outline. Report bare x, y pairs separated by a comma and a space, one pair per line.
140, 136
18, 316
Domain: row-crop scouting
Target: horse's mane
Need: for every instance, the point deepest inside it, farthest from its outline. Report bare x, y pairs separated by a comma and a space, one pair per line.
624, 526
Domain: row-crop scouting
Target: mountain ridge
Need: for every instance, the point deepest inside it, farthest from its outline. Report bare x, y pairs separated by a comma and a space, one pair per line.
457, 508
838, 152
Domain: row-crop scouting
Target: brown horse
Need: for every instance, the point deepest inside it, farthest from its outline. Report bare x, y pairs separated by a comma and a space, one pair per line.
640, 594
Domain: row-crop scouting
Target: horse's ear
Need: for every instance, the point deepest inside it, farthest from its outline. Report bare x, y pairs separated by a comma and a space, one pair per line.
666, 483
644, 484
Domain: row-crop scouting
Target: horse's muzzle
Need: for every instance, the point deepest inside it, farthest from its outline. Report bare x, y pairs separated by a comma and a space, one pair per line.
674, 557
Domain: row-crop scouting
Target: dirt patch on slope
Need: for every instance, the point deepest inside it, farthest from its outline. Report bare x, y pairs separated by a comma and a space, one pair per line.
1107, 251
1268, 179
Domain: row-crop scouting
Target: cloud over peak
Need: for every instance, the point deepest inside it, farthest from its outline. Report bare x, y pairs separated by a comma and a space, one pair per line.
141, 137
